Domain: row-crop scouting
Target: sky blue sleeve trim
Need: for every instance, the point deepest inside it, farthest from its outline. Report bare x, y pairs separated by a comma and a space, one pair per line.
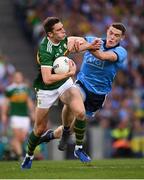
90, 38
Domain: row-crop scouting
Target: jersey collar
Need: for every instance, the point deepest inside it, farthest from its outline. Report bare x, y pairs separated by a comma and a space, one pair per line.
52, 42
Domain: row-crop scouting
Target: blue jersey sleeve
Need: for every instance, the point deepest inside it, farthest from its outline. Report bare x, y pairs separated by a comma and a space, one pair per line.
90, 38
121, 53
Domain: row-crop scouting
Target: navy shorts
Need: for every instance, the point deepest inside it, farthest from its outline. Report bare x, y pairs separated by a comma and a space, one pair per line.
93, 102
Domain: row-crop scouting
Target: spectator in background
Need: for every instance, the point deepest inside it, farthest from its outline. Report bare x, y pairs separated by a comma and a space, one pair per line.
17, 111
121, 136
6, 72
137, 140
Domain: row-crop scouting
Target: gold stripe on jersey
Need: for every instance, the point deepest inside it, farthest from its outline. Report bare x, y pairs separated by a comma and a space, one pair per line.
22, 97
38, 60
66, 52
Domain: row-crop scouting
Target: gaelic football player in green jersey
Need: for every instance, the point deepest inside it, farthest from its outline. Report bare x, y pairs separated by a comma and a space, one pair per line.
49, 86
16, 111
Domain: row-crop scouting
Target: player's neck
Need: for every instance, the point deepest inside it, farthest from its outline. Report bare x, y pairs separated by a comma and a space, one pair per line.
54, 41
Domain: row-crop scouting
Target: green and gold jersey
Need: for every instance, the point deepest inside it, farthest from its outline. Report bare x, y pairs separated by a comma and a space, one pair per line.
47, 53
17, 95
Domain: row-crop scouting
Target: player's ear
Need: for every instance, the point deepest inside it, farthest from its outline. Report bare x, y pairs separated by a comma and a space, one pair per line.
50, 34
122, 38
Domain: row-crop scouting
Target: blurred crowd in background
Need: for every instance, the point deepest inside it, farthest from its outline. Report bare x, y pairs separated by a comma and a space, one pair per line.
122, 117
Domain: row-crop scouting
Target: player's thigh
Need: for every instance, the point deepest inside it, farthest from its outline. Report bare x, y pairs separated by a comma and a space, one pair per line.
20, 134
45, 99
17, 133
71, 95
73, 99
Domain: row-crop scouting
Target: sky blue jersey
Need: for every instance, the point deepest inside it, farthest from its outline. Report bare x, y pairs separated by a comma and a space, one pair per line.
98, 75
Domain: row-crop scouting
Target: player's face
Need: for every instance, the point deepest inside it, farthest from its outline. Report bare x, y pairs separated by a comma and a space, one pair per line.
58, 33
114, 36
18, 78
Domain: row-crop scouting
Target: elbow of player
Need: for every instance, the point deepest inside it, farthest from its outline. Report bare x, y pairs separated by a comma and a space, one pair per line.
47, 81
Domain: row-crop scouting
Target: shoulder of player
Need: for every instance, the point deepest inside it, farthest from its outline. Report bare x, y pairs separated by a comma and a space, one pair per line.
43, 41
121, 53
115, 48
48, 46
121, 48
10, 88
45, 46
14, 86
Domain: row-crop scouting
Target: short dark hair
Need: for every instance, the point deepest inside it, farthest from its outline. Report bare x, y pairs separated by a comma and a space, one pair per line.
119, 26
49, 22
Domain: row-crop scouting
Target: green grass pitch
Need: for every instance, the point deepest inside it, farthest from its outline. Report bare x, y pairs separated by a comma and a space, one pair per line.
73, 169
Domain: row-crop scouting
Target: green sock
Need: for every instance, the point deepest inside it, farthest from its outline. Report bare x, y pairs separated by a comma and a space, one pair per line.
79, 129
32, 143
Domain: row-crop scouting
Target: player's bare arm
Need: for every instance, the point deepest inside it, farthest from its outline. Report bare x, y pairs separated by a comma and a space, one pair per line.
103, 55
50, 78
4, 110
72, 67
78, 44
4, 114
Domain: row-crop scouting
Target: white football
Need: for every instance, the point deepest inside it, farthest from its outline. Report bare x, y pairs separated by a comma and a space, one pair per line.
61, 65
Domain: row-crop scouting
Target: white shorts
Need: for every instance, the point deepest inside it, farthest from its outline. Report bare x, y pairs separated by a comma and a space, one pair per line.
47, 98
20, 122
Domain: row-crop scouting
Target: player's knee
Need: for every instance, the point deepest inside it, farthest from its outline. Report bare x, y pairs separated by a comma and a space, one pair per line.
80, 114
22, 138
39, 130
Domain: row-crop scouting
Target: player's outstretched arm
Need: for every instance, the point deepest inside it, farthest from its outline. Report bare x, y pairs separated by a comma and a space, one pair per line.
78, 44
105, 55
